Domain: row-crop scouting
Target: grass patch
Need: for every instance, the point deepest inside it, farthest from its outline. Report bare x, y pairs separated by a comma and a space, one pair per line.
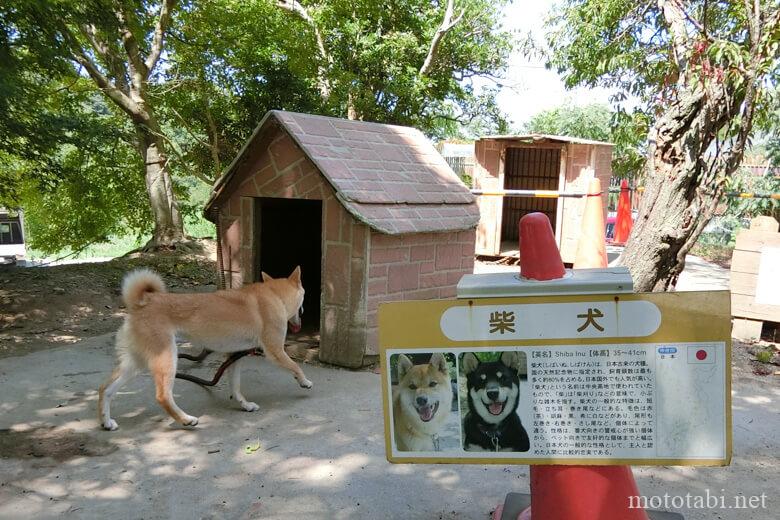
716, 253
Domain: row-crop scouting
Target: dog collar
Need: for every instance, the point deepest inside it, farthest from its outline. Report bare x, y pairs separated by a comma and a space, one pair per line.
493, 434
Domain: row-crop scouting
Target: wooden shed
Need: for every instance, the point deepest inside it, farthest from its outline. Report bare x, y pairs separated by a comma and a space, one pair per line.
535, 162
371, 212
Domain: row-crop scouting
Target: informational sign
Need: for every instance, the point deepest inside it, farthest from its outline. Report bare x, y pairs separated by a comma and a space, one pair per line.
588, 379
768, 284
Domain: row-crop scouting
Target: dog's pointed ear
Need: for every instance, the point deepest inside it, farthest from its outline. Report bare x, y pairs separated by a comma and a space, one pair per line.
404, 364
469, 362
511, 359
265, 277
439, 362
295, 277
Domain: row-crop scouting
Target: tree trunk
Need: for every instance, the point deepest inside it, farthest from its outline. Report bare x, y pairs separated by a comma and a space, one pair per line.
682, 187
168, 225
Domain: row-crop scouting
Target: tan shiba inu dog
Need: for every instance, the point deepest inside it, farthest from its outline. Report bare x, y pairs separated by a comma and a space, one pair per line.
223, 321
422, 403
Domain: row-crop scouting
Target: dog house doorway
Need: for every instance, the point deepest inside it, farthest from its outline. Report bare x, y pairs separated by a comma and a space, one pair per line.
288, 232
528, 169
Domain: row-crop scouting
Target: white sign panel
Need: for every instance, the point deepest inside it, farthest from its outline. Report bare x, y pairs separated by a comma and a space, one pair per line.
634, 402
768, 284
552, 321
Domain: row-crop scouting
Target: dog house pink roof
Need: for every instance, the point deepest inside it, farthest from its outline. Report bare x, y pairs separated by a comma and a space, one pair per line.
389, 177
371, 212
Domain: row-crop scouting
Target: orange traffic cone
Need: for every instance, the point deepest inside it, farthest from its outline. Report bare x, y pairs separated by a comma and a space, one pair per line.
539, 255
592, 248
623, 222
574, 492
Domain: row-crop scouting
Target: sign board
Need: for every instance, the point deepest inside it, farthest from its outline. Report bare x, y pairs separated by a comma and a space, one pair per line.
588, 379
768, 285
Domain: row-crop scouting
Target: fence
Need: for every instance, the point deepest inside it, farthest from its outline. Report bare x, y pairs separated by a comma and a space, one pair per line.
463, 166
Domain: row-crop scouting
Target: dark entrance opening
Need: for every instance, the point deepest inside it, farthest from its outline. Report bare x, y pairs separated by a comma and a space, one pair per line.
528, 169
289, 233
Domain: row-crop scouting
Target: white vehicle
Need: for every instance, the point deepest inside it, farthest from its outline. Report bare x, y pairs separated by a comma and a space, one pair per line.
11, 236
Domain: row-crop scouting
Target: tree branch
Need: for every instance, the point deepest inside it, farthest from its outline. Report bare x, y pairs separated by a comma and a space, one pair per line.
114, 64
180, 156
121, 99
215, 145
446, 24
675, 17
138, 70
297, 9
189, 130
159, 34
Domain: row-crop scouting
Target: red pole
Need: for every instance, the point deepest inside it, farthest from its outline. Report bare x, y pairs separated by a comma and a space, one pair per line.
623, 221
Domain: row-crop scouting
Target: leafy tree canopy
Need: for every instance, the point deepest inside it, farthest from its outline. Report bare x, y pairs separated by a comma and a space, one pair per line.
597, 122
71, 152
703, 73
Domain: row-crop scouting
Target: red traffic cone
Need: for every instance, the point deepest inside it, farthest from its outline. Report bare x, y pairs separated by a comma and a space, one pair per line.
623, 222
574, 492
592, 248
539, 255
583, 493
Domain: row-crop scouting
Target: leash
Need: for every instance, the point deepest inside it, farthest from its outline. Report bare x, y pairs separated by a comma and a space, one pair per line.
232, 358
200, 357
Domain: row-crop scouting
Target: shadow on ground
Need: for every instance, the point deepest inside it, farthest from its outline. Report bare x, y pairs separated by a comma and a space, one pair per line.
320, 454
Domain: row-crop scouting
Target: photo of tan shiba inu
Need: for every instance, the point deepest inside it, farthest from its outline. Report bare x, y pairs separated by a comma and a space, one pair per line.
422, 403
222, 321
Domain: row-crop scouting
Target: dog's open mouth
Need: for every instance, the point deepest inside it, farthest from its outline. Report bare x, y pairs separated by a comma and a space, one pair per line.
495, 408
427, 412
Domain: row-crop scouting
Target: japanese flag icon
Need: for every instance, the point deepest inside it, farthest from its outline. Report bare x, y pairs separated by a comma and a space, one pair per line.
701, 354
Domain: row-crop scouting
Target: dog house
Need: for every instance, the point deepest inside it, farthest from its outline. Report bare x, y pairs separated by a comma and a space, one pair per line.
535, 162
371, 212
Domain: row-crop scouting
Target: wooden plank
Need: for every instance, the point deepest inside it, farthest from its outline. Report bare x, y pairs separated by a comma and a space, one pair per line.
750, 240
743, 283
744, 306
745, 262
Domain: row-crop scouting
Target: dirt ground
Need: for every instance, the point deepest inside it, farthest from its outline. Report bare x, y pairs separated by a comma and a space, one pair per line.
44, 307
56, 462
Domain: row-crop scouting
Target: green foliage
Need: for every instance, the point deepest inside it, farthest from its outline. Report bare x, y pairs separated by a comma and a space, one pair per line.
68, 155
745, 182
628, 46
598, 122
587, 122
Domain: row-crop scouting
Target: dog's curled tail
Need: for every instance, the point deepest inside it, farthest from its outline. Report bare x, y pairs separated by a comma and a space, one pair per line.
137, 285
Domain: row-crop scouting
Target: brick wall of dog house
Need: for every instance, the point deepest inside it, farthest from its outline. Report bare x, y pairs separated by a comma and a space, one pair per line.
422, 266
280, 170
284, 171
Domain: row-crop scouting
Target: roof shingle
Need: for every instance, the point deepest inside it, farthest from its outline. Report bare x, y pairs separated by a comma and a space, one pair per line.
388, 176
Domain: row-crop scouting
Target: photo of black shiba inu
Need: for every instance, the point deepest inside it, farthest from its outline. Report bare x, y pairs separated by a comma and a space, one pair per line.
493, 392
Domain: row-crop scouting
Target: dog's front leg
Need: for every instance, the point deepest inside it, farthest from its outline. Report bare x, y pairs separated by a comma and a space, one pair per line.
274, 348
235, 386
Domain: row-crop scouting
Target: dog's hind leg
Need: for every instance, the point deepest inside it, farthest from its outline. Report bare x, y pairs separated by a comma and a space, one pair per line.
274, 347
119, 377
235, 386
123, 373
163, 369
